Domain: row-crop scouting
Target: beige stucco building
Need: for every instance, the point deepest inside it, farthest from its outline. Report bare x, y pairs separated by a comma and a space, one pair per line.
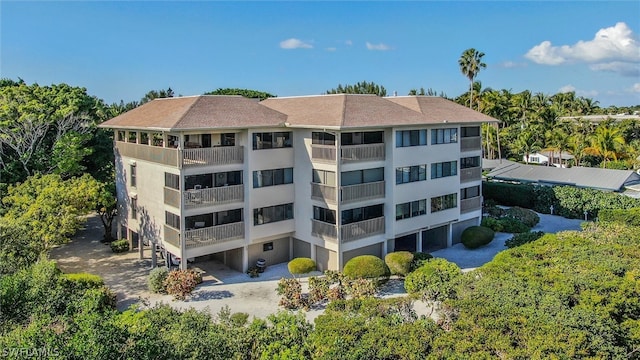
328, 177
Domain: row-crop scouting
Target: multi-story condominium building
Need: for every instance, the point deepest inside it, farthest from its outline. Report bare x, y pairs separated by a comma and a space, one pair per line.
328, 177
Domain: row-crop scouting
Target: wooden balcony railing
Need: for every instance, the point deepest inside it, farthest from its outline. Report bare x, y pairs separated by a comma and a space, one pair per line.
323, 193
214, 235
468, 205
324, 230
213, 196
470, 143
172, 236
362, 229
471, 174
360, 192
367, 152
223, 155
324, 153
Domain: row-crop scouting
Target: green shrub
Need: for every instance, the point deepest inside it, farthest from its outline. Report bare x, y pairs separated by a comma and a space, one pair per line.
523, 238
509, 194
301, 265
419, 258
98, 300
492, 223
526, 216
181, 283
435, 280
399, 262
475, 236
156, 279
366, 267
505, 224
239, 319
81, 281
629, 217
120, 246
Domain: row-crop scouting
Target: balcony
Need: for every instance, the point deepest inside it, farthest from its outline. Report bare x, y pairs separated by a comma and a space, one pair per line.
214, 235
323, 193
324, 230
361, 192
160, 155
468, 205
213, 196
323, 153
471, 174
470, 143
223, 155
362, 229
172, 197
172, 236
367, 152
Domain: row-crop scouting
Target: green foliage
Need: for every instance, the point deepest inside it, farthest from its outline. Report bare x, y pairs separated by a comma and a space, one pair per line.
251, 94
629, 217
120, 246
399, 262
290, 291
509, 194
82, 281
180, 283
523, 238
366, 267
434, 281
360, 88
526, 216
505, 224
299, 266
156, 279
419, 259
475, 236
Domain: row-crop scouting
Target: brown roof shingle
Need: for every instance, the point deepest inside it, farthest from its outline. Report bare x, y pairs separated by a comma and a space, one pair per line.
438, 110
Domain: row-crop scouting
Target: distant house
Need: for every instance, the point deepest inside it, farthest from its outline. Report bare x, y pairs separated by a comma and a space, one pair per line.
583, 177
601, 118
547, 157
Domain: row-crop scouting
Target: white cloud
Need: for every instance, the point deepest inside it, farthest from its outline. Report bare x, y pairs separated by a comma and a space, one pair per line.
567, 88
379, 47
512, 64
331, 49
348, 42
636, 87
294, 44
613, 49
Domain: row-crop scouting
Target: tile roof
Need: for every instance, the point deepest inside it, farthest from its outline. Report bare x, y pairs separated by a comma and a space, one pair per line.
198, 112
437, 109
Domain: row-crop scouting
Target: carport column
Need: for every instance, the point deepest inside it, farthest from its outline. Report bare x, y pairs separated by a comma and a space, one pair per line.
313, 252
419, 240
245, 258
183, 240
449, 235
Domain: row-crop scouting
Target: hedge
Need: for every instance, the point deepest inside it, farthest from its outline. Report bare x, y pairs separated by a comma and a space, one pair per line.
523, 238
366, 267
399, 262
629, 217
120, 246
301, 265
82, 281
475, 236
435, 280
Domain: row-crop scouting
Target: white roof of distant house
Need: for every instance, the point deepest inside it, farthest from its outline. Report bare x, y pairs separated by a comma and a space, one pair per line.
584, 177
601, 118
549, 153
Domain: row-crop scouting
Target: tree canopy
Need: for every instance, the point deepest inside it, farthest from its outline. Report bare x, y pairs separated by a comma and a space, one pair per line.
251, 94
362, 87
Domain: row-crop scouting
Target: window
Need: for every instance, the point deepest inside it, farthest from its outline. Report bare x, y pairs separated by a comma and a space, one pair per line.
444, 202
470, 192
134, 208
411, 138
272, 214
120, 135
228, 217
228, 178
411, 209
409, 174
263, 178
362, 176
323, 138
172, 181
144, 138
271, 140
172, 220
470, 162
470, 131
132, 175
444, 136
323, 177
228, 139
133, 137
444, 169
324, 215
362, 214
360, 138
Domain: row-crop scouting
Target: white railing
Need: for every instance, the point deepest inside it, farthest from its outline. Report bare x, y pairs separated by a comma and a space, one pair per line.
471, 174
326, 153
324, 230
360, 192
211, 196
160, 155
324, 193
222, 155
470, 143
362, 229
367, 152
214, 235
467, 205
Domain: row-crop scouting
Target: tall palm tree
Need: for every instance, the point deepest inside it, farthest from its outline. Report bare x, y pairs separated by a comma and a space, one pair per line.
606, 142
470, 64
526, 144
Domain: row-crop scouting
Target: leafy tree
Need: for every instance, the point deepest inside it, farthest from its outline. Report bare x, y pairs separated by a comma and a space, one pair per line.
251, 94
606, 143
363, 87
156, 94
106, 207
470, 64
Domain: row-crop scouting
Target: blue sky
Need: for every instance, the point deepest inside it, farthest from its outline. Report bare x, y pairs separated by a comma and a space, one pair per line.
121, 50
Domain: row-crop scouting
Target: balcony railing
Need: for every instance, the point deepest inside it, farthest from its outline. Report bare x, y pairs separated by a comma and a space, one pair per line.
362, 229
171, 236
213, 196
467, 205
470, 143
223, 155
360, 192
325, 153
172, 197
323, 193
367, 152
214, 235
324, 230
160, 155
470, 174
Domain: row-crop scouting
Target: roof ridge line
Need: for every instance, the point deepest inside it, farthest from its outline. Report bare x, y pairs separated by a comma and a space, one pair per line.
344, 110
198, 98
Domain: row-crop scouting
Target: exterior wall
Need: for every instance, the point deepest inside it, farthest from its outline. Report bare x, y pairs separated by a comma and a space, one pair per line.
233, 259
301, 248
279, 253
326, 259
375, 250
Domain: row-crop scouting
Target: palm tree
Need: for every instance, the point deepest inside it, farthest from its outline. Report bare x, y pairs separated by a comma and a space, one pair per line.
470, 64
606, 142
526, 144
